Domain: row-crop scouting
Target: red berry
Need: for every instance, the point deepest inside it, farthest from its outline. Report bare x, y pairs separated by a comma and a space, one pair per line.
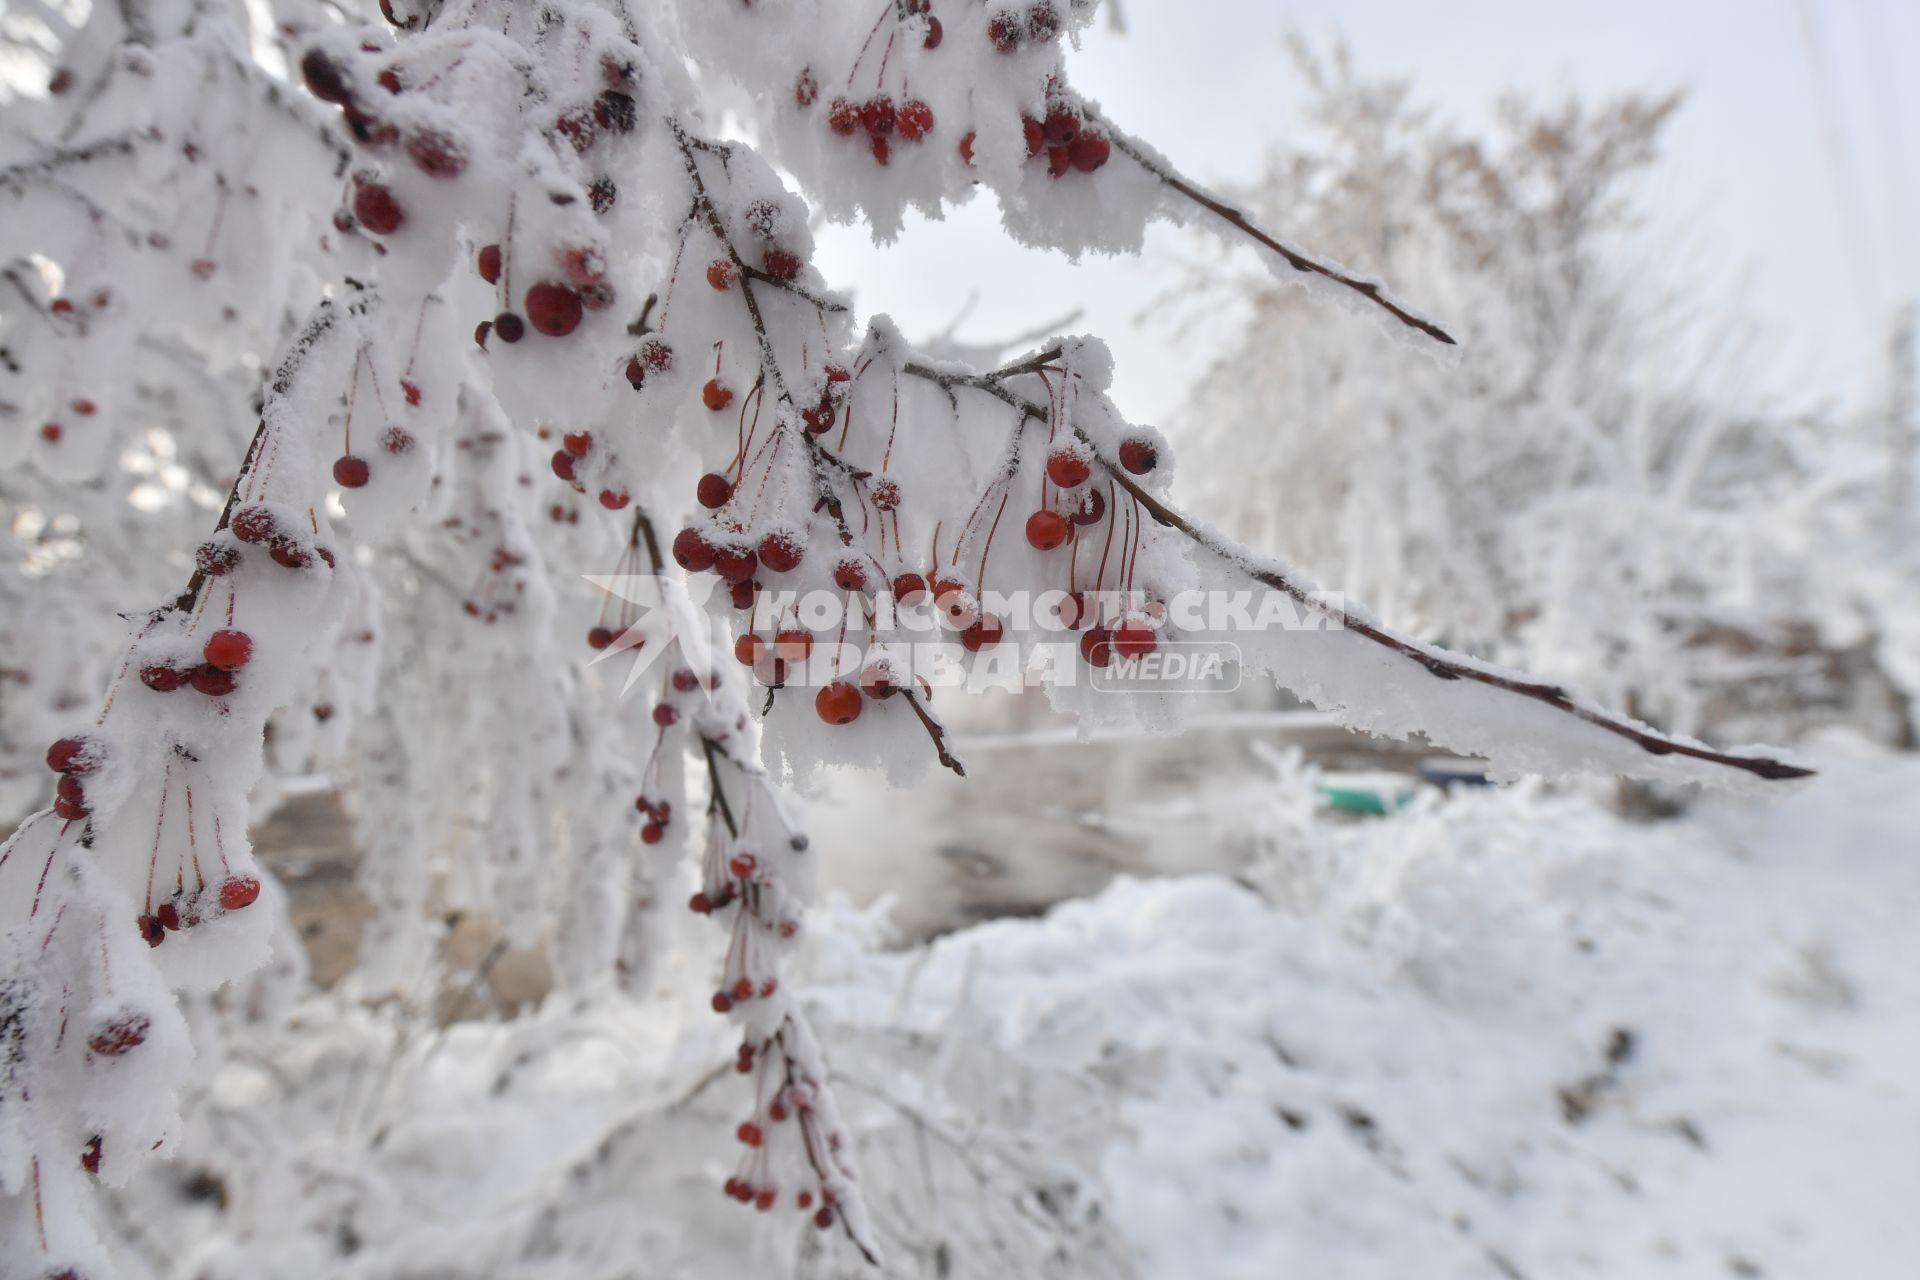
397, 440
72, 755
350, 472
966, 147
793, 644
886, 495
377, 209
735, 564
909, 588
1089, 151
843, 118
562, 463
577, 127
1005, 30
1093, 505
824, 1218
781, 552
742, 593
721, 274
700, 904
212, 681
289, 554
880, 148
1059, 161
714, 490
986, 632
577, 443
489, 263
685, 681
722, 1002
806, 89
653, 833
935, 33
716, 395
780, 264
120, 1035
1043, 21
253, 524
439, 155
239, 891
746, 649
614, 499
656, 354
480, 332
85, 408
553, 308
878, 681
850, 575
51, 432
664, 715
509, 327
1067, 468
877, 115
1035, 133
1133, 638
839, 702
599, 637
693, 552
1061, 126
1047, 530
229, 650
764, 1200
1096, 646
916, 120
326, 79
162, 679
1139, 456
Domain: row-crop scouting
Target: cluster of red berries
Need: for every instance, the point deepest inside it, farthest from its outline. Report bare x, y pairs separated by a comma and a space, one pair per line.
655, 355
766, 221
117, 1035
1066, 139
52, 431
190, 907
574, 446
1009, 28
553, 307
657, 814
225, 653
881, 120
73, 759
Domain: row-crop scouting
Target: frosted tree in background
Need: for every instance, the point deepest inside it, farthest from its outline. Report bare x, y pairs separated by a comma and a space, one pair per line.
416, 323
1597, 495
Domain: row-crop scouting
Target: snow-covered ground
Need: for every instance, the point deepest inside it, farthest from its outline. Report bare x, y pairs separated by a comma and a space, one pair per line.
1503, 1035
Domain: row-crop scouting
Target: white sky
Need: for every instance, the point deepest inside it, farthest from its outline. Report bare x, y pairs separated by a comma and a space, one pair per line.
1789, 170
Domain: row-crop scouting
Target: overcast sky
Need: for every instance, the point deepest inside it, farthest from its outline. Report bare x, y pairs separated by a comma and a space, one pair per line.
1790, 168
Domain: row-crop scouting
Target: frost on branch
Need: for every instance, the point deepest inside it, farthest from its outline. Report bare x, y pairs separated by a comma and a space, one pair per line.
526, 304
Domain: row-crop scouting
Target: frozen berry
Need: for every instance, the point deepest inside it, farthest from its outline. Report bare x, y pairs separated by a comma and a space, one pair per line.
716, 395
806, 89
843, 117
1005, 30
1133, 638
916, 120
1139, 456
721, 274
253, 524
1089, 151
553, 309
714, 490
838, 703
350, 472
1047, 530
212, 681
878, 116
438, 154
488, 263
1067, 468
377, 209
693, 552
781, 552
509, 327
228, 650
239, 891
